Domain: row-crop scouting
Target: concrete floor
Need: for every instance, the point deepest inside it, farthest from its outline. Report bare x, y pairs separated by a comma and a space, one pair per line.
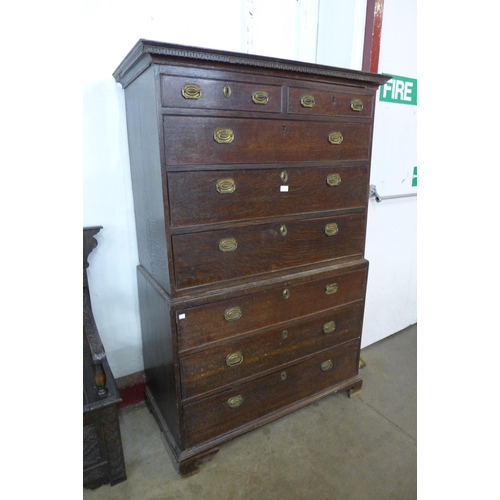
363, 448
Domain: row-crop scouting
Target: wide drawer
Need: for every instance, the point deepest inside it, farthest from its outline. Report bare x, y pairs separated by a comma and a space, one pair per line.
210, 370
215, 256
230, 195
313, 101
204, 93
245, 403
208, 140
216, 321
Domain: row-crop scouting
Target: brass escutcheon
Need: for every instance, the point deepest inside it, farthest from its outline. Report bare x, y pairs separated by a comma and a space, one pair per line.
286, 293
223, 135
283, 376
329, 327
228, 245
235, 401
356, 104
331, 229
191, 91
227, 91
225, 186
284, 177
233, 313
307, 101
260, 97
283, 230
326, 365
332, 288
234, 359
335, 138
333, 179
284, 334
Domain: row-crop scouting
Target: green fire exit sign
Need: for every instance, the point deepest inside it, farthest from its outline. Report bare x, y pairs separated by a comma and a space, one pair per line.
400, 89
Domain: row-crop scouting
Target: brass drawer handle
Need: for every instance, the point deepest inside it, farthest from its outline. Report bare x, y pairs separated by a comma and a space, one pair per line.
283, 230
326, 365
233, 313
223, 135
286, 293
228, 245
332, 288
225, 186
260, 97
235, 401
329, 327
335, 138
227, 91
191, 91
307, 101
333, 180
356, 104
234, 359
331, 229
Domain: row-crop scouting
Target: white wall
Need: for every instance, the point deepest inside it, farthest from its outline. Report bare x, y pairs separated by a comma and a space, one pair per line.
391, 303
278, 28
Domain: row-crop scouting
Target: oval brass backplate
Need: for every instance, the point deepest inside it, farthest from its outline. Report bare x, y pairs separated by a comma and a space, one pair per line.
235, 401
329, 327
356, 104
234, 359
225, 186
333, 180
307, 101
331, 288
233, 313
191, 91
326, 365
260, 97
335, 138
228, 245
331, 229
223, 135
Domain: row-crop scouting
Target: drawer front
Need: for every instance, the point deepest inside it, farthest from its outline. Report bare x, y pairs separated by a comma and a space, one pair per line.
204, 93
227, 318
245, 403
207, 140
309, 101
223, 365
230, 195
215, 256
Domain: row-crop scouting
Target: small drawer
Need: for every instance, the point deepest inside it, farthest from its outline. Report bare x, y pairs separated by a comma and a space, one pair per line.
313, 101
211, 141
203, 93
216, 256
217, 321
218, 367
209, 197
245, 403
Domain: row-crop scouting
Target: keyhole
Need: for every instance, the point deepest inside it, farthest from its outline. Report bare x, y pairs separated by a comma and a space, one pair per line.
284, 129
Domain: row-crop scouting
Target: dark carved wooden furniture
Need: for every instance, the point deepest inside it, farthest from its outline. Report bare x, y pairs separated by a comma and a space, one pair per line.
103, 460
251, 183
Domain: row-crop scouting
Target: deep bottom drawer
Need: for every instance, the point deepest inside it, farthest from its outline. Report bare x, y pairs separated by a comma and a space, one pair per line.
224, 412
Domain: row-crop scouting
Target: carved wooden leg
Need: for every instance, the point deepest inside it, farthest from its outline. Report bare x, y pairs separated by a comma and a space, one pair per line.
113, 443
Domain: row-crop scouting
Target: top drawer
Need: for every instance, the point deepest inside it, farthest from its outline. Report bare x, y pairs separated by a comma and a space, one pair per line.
311, 101
204, 93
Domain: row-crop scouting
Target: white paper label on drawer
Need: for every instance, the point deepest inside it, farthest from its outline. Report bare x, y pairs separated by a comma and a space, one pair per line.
182, 316
284, 189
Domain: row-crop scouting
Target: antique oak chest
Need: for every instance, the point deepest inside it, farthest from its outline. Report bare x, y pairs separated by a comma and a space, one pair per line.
250, 180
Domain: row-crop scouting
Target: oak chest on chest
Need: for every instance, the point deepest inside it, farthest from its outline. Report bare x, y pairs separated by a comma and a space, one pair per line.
250, 180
